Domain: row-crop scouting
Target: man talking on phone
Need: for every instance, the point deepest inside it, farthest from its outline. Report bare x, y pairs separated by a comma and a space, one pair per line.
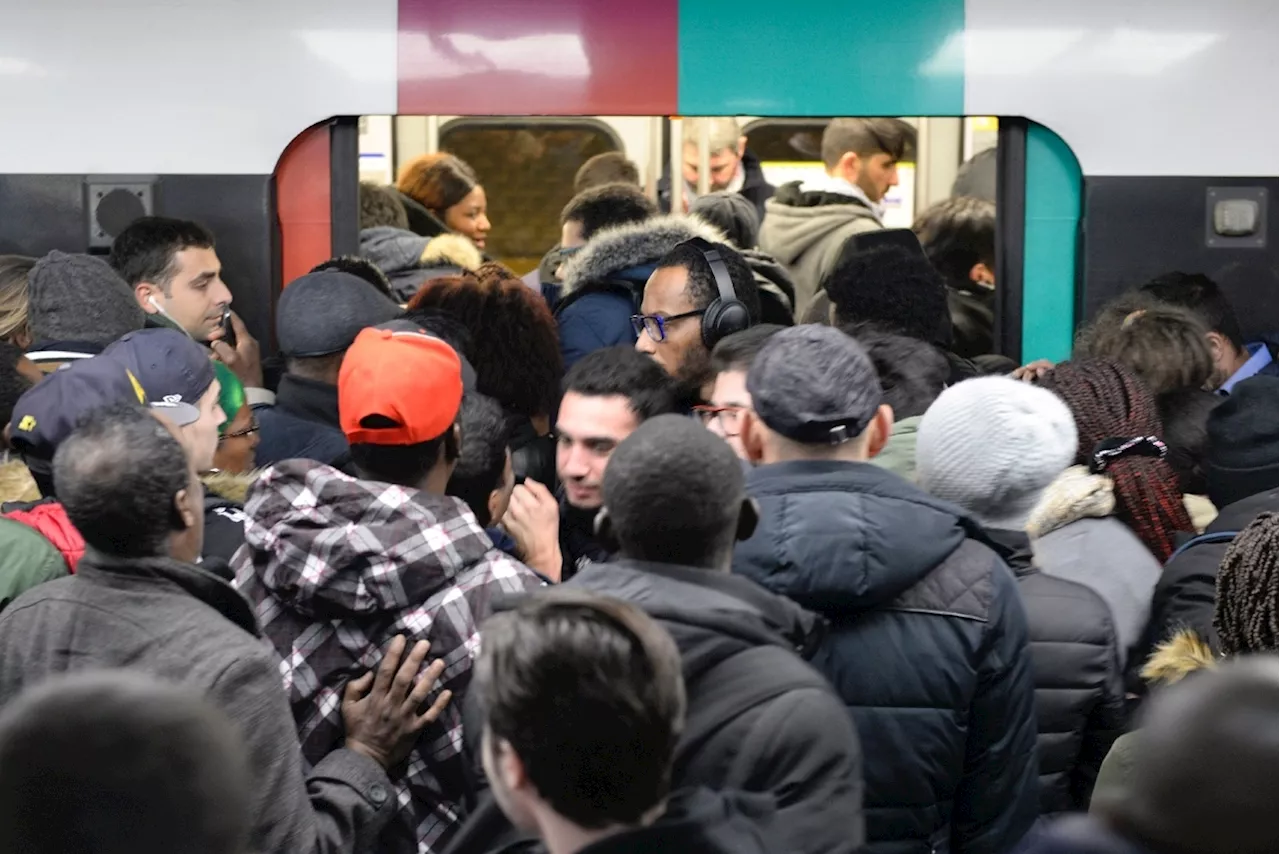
176, 277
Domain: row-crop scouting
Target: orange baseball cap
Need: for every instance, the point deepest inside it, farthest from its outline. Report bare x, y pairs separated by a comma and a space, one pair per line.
412, 380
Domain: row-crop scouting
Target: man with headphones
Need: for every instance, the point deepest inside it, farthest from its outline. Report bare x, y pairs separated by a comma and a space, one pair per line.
700, 293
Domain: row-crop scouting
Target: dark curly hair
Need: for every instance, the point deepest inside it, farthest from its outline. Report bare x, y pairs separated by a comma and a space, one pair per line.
515, 346
1109, 402
1245, 615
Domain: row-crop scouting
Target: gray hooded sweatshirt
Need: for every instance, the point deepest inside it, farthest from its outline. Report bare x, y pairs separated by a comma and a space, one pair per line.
807, 230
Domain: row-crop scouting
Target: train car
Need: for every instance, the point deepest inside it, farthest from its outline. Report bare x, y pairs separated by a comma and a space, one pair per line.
1133, 138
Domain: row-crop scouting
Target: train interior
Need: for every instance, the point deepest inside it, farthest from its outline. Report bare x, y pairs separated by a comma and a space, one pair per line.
529, 163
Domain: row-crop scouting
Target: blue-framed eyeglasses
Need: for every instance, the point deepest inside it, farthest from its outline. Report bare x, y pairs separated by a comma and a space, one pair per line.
655, 325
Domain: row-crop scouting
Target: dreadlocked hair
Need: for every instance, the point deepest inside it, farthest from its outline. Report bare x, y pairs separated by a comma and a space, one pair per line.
1246, 616
1108, 401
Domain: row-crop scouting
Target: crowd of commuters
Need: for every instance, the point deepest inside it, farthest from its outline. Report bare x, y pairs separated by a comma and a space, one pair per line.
722, 530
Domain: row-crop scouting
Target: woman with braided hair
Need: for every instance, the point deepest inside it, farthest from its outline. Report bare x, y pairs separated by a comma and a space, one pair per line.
1121, 436
1108, 521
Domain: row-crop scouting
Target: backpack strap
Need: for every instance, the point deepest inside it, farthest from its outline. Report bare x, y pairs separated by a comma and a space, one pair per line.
1211, 537
727, 690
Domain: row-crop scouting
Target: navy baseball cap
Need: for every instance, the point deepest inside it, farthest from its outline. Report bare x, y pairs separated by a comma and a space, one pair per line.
48, 413
174, 370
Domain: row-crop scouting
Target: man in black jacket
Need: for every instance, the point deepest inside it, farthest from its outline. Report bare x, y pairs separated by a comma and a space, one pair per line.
1243, 476
759, 718
585, 704
928, 643
993, 445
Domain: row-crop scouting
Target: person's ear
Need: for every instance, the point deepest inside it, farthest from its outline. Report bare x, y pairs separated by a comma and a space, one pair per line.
752, 436
748, 518
1219, 347
510, 766
147, 296
981, 274
849, 167
182, 510
742, 146
451, 447
494, 504
879, 430
605, 533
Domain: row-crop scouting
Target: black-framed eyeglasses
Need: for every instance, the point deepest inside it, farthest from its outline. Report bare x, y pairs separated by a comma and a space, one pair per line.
253, 427
655, 325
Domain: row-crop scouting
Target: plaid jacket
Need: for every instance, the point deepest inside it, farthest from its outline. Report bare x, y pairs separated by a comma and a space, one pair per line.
334, 568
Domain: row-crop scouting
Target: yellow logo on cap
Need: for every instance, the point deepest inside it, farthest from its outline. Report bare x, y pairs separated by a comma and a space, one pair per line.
137, 387
27, 424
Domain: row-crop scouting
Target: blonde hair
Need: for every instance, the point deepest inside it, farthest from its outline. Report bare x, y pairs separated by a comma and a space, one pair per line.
722, 132
14, 270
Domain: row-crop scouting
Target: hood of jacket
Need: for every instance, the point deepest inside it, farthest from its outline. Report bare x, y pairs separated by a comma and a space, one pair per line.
1073, 496
703, 609
330, 546
392, 250
636, 244
451, 250
1177, 658
16, 483
229, 486
699, 821
844, 538
771, 276
796, 220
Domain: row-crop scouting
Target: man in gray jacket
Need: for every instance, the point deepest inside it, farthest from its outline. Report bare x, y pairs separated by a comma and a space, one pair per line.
139, 601
807, 223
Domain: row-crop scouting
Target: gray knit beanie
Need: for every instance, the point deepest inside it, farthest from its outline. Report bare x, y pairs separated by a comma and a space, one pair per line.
992, 445
80, 298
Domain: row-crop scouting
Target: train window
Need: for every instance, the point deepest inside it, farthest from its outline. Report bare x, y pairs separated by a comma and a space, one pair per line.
791, 150
533, 161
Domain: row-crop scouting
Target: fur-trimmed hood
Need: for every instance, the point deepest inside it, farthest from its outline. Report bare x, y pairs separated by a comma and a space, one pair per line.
453, 250
230, 485
622, 247
1180, 656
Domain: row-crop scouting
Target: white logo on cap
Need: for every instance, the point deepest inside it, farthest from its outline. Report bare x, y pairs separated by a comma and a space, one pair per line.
173, 398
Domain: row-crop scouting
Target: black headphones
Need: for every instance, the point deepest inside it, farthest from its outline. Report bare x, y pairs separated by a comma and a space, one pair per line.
726, 314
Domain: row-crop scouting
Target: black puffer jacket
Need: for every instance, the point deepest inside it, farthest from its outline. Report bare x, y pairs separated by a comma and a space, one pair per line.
1080, 708
1185, 592
927, 647
797, 745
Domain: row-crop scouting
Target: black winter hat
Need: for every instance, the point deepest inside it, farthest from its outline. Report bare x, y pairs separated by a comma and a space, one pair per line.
894, 288
1244, 442
322, 313
731, 213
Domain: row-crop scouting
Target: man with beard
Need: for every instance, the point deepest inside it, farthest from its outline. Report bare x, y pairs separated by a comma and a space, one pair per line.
700, 293
607, 395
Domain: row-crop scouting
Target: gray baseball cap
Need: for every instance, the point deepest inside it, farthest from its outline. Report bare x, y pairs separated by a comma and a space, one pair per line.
814, 385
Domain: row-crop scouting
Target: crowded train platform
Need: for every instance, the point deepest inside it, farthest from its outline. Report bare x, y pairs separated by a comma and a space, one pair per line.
725, 528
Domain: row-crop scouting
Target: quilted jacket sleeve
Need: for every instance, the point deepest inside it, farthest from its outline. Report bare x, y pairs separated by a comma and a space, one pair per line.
998, 798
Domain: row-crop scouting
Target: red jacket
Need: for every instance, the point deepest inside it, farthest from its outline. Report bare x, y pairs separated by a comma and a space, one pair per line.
50, 519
